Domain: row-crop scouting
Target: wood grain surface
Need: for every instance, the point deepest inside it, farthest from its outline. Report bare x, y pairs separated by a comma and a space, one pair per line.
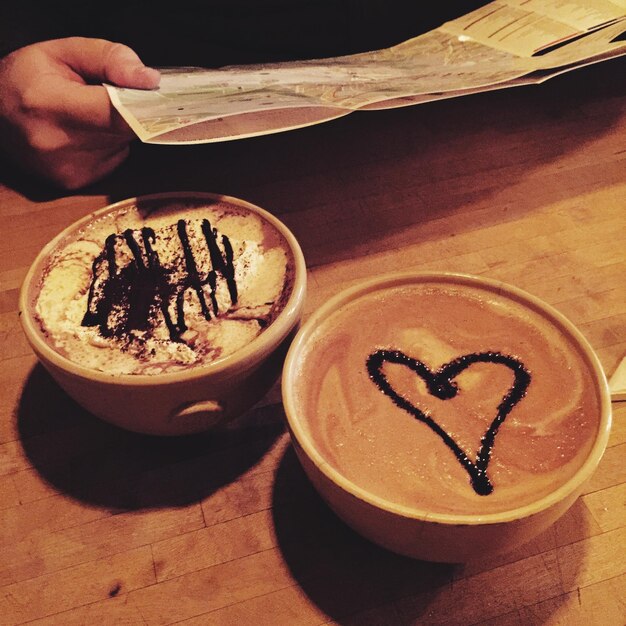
102, 526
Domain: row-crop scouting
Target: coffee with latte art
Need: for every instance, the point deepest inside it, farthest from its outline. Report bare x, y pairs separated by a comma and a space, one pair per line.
447, 397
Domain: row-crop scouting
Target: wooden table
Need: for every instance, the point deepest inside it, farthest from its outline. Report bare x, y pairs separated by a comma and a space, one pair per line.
102, 526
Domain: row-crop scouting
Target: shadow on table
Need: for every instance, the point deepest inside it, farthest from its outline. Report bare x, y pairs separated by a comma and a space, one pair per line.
356, 184
103, 465
353, 581
352, 185
341, 572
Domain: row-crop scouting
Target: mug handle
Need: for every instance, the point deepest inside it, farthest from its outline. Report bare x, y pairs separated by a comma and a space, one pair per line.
208, 412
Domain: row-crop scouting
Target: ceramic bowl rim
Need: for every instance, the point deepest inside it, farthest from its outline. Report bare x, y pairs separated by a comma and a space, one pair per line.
254, 352
400, 278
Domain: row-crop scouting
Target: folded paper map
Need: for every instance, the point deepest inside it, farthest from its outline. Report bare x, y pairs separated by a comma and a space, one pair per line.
503, 44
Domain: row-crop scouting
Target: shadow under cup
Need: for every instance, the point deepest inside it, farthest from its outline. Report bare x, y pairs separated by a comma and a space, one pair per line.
187, 400
346, 410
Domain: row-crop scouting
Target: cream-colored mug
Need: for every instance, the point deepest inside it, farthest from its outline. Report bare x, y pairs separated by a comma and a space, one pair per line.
369, 388
183, 400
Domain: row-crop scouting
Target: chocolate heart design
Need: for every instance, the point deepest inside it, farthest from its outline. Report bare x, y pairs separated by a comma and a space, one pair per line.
440, 384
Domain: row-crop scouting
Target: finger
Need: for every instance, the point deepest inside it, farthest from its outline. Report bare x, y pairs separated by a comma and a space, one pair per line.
100, 60
84, 107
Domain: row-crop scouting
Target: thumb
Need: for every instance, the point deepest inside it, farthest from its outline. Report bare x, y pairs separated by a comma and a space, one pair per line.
123, 68
100, 60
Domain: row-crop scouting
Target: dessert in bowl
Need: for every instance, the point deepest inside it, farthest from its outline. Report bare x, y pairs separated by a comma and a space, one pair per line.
168, 313
445, 416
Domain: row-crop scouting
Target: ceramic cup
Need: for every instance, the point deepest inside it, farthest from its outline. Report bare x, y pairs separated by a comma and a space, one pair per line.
175, 402
320, 430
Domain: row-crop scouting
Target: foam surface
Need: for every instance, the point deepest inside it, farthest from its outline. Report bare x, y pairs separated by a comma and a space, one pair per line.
175, 286
383, 448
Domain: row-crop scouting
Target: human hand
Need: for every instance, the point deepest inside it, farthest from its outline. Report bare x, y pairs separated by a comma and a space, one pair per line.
56, 119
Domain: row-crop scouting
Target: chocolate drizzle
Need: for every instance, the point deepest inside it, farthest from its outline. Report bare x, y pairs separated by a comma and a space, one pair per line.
124, 299
441, 384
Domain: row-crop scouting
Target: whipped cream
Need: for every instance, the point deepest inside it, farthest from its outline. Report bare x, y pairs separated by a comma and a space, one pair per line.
137, 292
